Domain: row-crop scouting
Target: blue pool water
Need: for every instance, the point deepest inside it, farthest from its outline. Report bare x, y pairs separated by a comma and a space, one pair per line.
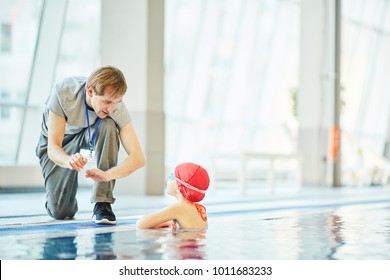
356, 232
331, 225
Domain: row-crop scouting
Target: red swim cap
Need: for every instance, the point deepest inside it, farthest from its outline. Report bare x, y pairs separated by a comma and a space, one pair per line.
193, 181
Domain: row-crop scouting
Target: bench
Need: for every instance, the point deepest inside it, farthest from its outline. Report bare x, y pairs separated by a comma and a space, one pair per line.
245, 157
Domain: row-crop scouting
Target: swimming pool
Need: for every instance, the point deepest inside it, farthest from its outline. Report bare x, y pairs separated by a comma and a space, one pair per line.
242, 231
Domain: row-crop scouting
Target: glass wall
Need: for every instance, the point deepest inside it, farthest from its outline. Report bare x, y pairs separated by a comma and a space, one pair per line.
19, 33
365, 88
80, 43
231, 77
18, 36
231, 74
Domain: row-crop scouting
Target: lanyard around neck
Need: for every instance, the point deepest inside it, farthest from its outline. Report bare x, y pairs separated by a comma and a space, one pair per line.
91, 139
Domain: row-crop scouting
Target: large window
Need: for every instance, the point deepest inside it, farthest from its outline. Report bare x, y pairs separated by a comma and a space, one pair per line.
19, 29
231, 74
80, 45
21, 33
365, 86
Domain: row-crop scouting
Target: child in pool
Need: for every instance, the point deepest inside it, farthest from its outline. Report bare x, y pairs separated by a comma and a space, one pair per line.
188, 185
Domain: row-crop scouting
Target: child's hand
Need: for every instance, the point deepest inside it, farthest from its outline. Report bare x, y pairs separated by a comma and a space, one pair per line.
165, 224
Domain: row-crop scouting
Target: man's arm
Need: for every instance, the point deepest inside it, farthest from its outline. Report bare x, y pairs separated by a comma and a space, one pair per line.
135, 158
56, 129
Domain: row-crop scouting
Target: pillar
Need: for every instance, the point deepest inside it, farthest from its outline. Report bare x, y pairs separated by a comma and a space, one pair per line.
318, 109
132, 39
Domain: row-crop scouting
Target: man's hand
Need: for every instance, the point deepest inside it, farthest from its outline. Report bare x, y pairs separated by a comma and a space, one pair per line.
97, 175
76, 162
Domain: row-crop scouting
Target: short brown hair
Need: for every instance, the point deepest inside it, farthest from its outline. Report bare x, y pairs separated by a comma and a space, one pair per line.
108, 76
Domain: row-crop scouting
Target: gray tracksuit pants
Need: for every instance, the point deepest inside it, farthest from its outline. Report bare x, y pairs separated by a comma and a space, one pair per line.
61, 184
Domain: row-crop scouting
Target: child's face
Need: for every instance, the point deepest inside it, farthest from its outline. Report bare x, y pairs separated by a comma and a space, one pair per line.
171, 187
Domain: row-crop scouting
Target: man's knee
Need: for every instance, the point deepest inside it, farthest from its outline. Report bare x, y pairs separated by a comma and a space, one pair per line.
60, 213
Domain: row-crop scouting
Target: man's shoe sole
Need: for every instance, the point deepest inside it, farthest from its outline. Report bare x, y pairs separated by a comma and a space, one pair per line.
105, 222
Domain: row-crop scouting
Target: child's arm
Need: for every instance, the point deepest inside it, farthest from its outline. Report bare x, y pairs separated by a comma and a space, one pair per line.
161, 217
165, 224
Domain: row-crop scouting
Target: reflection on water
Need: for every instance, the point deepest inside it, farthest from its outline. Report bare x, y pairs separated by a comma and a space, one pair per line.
103, 247
60, 248
181, 244
189, 244
153, 244
334, 229
347, 233
66, 248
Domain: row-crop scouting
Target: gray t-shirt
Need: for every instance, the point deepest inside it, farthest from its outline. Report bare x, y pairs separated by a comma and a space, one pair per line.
67, 99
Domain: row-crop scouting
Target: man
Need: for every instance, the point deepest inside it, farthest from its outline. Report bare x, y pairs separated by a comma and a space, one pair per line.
87, 115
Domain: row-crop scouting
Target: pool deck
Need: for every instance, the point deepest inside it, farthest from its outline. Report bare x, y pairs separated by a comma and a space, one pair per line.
20, 209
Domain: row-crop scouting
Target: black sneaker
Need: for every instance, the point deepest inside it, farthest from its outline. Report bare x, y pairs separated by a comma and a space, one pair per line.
103, 213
